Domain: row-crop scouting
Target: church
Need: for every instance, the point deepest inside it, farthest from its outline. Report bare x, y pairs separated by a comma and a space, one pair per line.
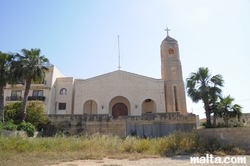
117, 93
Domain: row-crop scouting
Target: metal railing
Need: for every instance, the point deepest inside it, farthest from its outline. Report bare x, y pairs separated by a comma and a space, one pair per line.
41, 98
14, 98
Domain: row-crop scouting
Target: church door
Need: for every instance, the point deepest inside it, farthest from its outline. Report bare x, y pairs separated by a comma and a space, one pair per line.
119, 109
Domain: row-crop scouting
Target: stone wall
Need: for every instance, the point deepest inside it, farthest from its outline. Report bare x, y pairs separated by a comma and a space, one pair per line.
244, 120
240, 136
150, 125
17, 133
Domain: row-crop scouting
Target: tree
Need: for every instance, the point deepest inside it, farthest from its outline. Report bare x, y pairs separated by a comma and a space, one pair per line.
228, 109
202, 86
32, 70
213, 106
5, 77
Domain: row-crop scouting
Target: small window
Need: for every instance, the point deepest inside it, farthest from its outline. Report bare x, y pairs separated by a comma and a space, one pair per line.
62, 106
171, 51
63, 91
15, 95
37, 93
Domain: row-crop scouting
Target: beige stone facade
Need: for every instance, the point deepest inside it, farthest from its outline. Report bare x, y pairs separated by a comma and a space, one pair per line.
118, 93
104, 91
44, 92
172, 76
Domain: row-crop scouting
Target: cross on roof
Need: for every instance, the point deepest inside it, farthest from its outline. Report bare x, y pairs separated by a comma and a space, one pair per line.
167, 31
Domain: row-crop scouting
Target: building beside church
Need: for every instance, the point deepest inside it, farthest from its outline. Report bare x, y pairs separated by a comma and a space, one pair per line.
118, 93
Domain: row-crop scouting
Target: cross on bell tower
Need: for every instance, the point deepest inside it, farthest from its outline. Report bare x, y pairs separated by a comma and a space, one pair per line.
167, 30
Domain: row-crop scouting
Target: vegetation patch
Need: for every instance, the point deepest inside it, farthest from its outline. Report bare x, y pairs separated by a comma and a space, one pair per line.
49, 150
35, 113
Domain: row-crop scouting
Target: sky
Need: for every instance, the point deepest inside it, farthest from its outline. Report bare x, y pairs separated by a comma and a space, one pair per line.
80, 37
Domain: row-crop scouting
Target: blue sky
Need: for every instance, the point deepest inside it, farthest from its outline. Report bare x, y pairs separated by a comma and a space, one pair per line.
80, 37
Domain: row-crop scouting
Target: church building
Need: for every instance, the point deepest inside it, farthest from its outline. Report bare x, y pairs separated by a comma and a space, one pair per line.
117, 93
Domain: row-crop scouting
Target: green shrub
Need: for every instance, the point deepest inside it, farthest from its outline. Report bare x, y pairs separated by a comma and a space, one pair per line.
204, 124
133, 133
180, 143
12, 111
28, 127
1, 125
221, 125
35, 113
212, 145
9, 125
238, 124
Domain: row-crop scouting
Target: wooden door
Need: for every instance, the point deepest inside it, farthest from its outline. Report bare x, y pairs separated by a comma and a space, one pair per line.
119, 109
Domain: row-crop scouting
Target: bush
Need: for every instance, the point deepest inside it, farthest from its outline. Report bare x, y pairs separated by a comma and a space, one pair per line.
8, 125
212, 145
34, 113
238, 124
204, 124
13, 112
28, 127
221, 125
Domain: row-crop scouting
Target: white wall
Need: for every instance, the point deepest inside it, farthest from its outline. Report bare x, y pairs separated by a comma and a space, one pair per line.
133, 87
67, 83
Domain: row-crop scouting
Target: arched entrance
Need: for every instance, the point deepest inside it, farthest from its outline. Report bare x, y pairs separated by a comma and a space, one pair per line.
119, 109
119, 106
90, 107
148, 106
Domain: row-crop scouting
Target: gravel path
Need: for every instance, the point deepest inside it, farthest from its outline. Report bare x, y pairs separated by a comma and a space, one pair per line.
175, 161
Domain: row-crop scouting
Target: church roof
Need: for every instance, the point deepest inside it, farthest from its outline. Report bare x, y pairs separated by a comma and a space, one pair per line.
169, 39
120, 72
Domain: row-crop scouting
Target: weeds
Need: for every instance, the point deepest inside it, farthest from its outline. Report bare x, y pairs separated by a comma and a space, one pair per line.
41, 151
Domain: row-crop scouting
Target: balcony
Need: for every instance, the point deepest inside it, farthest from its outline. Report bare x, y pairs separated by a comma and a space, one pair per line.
40, 98
14, 98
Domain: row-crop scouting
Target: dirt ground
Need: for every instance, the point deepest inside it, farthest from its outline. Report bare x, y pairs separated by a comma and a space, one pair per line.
175, 161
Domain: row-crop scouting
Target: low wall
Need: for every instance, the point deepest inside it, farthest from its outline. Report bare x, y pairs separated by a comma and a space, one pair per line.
8, 133
238, 135
150, 125
244, 119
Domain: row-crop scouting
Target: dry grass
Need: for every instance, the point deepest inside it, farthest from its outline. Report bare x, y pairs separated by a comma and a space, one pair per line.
46, 151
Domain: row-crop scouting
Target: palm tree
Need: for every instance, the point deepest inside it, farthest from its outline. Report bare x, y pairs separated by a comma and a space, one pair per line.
202, 86
32, 69
6, 76
213, 106
228, 110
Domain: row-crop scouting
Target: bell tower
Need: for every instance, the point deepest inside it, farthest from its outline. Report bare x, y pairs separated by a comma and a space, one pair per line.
171, 71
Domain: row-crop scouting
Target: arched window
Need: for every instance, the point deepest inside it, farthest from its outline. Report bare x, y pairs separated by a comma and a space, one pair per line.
175, 99
63, 91
171, 52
